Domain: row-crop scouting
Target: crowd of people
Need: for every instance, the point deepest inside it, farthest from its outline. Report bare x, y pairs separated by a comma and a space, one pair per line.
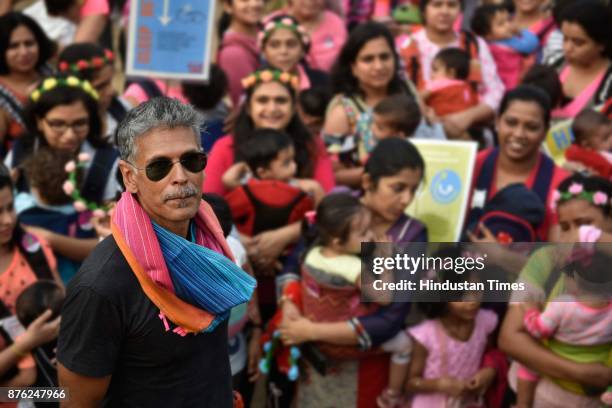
307, 122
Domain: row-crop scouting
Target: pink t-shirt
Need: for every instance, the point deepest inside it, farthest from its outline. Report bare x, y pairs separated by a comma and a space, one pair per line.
135, 91
221, 158
238, 57
325, 42
449, 357
93, 7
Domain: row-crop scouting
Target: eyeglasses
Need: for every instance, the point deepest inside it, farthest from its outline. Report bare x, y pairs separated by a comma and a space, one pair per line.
159, 168
59, 126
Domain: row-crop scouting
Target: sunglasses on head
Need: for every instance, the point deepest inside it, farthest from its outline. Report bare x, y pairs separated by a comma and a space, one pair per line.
159, 168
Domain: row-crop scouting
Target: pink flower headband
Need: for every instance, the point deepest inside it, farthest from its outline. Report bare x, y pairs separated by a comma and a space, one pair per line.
576, 190
70, 188
286, 22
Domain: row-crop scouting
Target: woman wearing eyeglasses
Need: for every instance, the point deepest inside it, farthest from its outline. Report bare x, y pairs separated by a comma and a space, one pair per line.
62, 115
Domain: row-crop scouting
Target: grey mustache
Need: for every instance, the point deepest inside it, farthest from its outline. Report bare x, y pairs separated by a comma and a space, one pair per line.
185, 192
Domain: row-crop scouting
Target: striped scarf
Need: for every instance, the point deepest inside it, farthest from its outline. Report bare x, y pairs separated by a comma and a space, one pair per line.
194, 284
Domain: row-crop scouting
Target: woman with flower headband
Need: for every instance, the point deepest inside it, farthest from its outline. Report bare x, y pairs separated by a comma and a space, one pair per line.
584, 209
25, 50
284, 44
63, 116
327, 31
270, 103
93, 63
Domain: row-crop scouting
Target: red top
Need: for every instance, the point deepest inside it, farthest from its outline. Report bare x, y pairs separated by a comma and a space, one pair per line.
221, 158
559, 175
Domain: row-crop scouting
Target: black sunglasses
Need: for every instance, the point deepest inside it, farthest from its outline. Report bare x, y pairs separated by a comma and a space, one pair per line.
159, 168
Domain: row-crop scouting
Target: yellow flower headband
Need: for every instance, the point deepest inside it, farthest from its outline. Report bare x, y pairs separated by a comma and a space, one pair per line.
269, 75
71, 81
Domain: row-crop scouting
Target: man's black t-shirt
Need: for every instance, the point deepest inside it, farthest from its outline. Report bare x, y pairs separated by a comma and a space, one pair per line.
110, 327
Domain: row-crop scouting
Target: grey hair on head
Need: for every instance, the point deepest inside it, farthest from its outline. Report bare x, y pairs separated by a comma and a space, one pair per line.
156, 113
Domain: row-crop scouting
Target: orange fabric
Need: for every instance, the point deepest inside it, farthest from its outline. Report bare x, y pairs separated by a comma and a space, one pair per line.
19, 275
452, 99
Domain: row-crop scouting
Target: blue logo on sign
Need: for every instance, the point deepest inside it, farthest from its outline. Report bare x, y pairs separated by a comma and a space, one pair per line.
445, 186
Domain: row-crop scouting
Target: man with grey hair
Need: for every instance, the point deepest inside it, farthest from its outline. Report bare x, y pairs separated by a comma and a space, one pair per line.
144, 323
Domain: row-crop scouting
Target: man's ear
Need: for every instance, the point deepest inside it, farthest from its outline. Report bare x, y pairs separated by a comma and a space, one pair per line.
129, 176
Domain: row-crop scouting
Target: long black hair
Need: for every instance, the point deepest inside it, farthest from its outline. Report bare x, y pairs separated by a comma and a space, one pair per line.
342, 78
304, 143
8, 23
594, 17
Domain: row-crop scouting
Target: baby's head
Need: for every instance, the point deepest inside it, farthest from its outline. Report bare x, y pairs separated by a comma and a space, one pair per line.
587, 273
592, 130
37, 298
46, 174
342, 223
451, 63
492, 22
396, 116
270, 155
312, 104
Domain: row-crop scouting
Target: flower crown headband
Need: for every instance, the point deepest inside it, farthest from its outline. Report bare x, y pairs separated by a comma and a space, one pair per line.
71, 81
269, 75
287, 23
576, 190
85, 64
70, 188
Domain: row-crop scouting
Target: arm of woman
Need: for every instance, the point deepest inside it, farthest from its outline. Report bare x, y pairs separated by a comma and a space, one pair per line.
4, 125
301, 330
265, 248
515, 342
90, 28
76, 249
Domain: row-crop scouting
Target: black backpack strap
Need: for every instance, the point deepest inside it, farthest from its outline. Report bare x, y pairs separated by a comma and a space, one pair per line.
99, 173
267, 217
34, 256
469, 40
117, 110
483, 184
543, 178
150, 88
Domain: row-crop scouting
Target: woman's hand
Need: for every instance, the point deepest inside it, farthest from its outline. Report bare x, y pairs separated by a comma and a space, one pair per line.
40, 232
265, 248
233, 176
297, 331
290, 312
452, 386
254, 352
457, 124
40, 331
481, 381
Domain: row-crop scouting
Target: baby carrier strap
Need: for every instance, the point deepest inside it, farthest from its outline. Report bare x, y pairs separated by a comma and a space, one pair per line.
267, 216
117, 110
31, 249
99, 173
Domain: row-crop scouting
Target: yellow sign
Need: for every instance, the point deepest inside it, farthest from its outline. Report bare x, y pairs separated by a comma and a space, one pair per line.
442, 199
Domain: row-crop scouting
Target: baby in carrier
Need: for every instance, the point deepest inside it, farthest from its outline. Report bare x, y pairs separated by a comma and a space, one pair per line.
265, 193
